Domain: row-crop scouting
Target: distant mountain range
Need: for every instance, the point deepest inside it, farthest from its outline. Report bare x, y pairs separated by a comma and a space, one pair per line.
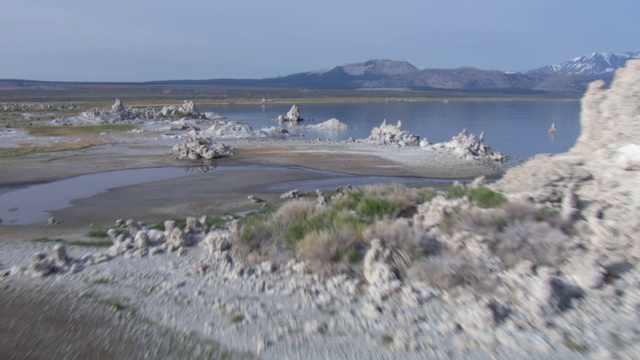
571, 76
596, 65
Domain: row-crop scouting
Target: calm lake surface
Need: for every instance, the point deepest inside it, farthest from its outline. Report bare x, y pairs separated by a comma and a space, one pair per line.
515, 128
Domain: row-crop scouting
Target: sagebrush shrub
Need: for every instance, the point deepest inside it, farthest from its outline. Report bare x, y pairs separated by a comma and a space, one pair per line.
537, 242
515, 232
325, 252
449, 271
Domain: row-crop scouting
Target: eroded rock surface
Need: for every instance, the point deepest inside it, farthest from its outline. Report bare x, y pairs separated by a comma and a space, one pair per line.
389, 134
197, 147
467, 146
331, 124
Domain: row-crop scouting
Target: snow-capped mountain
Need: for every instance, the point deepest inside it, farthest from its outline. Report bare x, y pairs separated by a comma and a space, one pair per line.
598, 65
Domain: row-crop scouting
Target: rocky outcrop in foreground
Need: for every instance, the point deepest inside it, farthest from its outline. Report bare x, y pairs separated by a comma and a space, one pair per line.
196, 147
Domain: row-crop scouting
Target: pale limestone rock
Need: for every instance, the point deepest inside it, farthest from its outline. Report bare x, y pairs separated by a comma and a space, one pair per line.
218, 240
376, 270
628, 157
388, 134
331, 124
586, 271
569, 206
195, 148
468, 147
478, 182
293, 115
432, 213
292, 194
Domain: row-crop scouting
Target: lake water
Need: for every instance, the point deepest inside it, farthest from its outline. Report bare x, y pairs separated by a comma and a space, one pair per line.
516, 128
34, 204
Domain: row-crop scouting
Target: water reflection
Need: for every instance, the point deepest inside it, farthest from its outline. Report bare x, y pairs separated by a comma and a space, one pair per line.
202, 169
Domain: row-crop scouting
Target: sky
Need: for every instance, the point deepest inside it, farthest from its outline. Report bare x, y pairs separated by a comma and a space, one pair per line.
144, 40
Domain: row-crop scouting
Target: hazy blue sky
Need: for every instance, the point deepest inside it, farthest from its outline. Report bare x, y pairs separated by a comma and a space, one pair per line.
139, 40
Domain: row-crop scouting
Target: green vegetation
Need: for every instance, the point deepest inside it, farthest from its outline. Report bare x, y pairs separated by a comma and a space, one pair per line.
100, 234
48, 240
332, 234
114, 304
456, 192
252, 227
575, 346
426, 194
486, 198
387, 340
482, 197
101, 243
237, 318
617, 340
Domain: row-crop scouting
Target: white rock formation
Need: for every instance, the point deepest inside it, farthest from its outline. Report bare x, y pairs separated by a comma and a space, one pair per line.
187, 109
467, 147
197, 147
389, 134
222, 129
293, 115
331, 124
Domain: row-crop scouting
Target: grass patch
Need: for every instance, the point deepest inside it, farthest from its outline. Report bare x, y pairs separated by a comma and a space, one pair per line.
456, 192
487, 198
253, 227
99, 234
159, 227
331, 237
49, 131
617, 340
375, 208
47, 240
236, 318
114, 304
482, 197
100, 281
575, 346
387, 340
216, 222
426, 195
101, 243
